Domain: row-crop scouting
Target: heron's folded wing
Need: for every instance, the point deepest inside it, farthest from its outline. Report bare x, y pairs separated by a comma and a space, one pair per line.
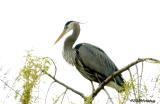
96, 59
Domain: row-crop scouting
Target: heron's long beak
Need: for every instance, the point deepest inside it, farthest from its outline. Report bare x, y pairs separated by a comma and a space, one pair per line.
62, 34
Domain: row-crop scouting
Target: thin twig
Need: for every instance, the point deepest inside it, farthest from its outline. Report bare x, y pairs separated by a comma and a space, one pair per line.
155, 85
48, 91
64, 93
10, 87
141, 75
55, 67
57, 99
109, 97
67, 98
134, 92
137, 82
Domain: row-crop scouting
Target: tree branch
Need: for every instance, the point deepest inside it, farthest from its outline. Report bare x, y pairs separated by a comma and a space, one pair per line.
101, 86
66, 86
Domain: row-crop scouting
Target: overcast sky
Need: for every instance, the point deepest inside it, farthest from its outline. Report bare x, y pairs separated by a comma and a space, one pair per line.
124, 29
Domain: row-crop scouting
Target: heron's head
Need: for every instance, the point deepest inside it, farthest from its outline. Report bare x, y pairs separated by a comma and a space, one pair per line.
68, 27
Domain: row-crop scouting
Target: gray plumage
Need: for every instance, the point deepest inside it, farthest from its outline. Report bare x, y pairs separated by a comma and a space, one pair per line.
91, 61
95, 61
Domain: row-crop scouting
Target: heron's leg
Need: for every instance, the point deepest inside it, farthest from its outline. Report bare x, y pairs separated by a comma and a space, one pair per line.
93, 89
97, 78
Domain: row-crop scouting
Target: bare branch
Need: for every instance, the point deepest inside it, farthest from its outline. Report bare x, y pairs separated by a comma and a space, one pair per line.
101, 86
64, 95
10, 87
141, 75
66, 86
134, 92
137, 81
48, 91
109, 97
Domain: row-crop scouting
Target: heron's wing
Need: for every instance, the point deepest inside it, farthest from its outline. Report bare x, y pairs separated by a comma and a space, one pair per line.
96, 59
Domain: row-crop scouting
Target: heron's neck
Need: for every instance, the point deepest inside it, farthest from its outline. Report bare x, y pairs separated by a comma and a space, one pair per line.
68, 51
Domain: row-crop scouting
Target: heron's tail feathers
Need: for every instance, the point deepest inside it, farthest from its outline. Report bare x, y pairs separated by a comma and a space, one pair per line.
116, 86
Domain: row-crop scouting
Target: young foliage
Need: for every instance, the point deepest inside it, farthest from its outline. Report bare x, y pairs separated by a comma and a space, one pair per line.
30, 74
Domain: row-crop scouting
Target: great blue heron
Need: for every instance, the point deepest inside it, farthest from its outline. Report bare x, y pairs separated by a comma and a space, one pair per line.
91, 61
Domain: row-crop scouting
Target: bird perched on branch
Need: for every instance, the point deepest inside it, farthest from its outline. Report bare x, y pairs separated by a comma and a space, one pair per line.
91, 61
